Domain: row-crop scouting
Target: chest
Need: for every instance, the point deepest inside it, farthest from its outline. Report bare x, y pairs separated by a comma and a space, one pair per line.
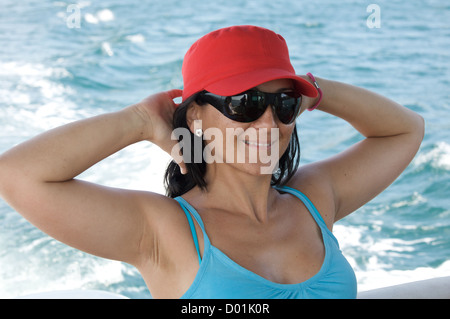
288, 249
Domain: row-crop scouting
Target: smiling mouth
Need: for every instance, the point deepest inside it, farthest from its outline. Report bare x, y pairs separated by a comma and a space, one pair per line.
256, 144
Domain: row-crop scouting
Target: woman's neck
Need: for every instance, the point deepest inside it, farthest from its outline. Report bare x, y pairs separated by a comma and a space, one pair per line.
231, 189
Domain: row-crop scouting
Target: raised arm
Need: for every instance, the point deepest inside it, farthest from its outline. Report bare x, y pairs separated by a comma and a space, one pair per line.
392, 134
37, 178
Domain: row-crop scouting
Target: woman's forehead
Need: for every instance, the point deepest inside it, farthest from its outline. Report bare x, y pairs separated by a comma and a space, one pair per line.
275, 86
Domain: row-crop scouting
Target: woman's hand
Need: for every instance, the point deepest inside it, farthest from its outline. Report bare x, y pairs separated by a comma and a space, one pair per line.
157, 111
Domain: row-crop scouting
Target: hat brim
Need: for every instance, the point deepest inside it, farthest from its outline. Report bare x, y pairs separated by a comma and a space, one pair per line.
242, 82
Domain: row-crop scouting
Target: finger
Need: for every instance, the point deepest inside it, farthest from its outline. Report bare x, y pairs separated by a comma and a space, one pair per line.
175, 93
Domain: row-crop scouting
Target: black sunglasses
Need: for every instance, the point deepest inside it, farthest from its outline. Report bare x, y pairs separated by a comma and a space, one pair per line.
250, 105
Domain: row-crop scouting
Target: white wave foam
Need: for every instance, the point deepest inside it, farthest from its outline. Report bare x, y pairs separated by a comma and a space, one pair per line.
415, 200
375, 273
33, 98
104, 15
140, 166
438, 157
90, 18
135, 38
82, 274
106, 49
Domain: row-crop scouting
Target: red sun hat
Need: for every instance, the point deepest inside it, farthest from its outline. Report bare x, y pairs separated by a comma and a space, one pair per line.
232, 60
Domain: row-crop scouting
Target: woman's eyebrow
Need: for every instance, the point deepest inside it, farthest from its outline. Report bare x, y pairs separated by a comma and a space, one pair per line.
281, 90
284, 90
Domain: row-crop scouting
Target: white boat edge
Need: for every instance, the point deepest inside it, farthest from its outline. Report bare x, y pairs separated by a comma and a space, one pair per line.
435, 288
74, 294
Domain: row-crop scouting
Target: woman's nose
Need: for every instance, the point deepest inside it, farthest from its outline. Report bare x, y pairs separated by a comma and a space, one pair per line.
268, 119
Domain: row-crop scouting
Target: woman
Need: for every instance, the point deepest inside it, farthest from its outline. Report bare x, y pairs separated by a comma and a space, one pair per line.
253, 235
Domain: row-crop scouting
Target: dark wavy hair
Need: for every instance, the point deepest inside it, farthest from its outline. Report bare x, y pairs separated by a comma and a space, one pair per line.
177, 184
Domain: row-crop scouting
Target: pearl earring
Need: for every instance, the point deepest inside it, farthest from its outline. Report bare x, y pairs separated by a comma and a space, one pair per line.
198, 128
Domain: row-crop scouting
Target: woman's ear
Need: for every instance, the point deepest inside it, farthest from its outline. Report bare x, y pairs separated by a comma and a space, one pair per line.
193, 115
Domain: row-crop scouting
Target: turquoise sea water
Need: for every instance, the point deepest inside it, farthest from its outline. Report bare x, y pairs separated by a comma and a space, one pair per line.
52, 73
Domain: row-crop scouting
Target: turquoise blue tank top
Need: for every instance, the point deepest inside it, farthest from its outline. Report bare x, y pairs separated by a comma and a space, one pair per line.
221, 277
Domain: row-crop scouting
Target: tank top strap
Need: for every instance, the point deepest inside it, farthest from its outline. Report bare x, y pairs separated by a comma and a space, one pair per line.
189, 210
309, 205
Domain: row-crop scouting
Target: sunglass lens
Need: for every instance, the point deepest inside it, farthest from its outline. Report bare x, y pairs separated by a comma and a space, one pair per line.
287, 108
246, 107
250, 105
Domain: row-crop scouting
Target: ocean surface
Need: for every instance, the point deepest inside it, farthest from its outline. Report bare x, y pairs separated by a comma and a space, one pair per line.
62, 61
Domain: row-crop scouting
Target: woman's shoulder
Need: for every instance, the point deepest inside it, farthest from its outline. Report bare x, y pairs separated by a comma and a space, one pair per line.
314, 184
166, 242
167, 225
158, 206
